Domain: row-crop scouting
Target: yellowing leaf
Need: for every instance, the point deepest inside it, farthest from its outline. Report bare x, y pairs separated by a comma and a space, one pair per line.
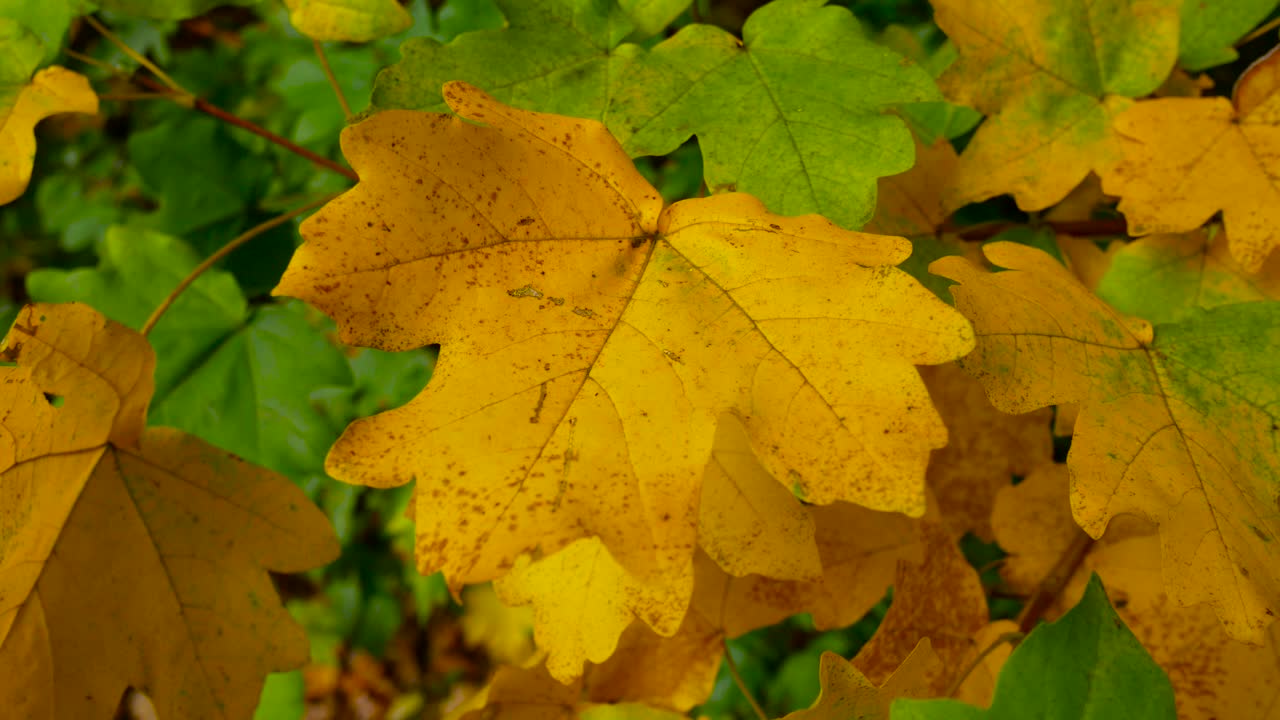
1032, 522
53, 90
940, 599
1188, 158
131, 557
1088, 262
590, 342
747, 521
847, 694
1051, 74
583, 599
911, 203
348, 20
506, 633
986, 448
1166, 416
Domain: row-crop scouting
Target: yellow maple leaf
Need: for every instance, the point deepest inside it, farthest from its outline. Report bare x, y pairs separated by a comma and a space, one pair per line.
847, 694
986, 448
591, 340
1051, 74
532, 694
1213, 675
1187, 158
53, 90
506, 633
911, 203
1167, 416
348, 20
144, 546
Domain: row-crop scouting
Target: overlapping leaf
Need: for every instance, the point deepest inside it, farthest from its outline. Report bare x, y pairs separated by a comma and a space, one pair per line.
1177, 424
1213, 676
1188, 158
1211, 27
795, 113
848, 695
591, 341
148, 547
1051, 75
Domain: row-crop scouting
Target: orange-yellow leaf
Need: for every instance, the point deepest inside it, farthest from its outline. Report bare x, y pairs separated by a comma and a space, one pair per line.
941, 599
53, 90
1032, 522
846, 694
131, 557
987, 447
1188, 158
1051, 74
1167, 414
911, 203
590, 342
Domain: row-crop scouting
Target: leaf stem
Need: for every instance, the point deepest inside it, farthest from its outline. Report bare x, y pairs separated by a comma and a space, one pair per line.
1259, 31
1009, 637
208, 108
737, 679
333, 81
137, 57
224, 251
1054, 582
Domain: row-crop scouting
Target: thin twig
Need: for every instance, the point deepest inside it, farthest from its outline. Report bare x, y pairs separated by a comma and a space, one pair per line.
137, 57
224, 251
1009, 637
1259, 31
737, 679
130, 97
208, 108
1084, 228
333, 81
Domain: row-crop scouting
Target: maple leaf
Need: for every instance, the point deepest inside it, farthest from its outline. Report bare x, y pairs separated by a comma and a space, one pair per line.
166, 9
1187, 158
794, 113
348, 20
1213, 676
1165, 415
985, 448
846, 694
26, 100
591, 340
1209, 28
1085, 665
506, 633
1166, 278
187, 611
1051, 75
530, 693
940, 598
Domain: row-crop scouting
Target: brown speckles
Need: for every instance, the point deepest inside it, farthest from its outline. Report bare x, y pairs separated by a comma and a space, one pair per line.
525, 221
542, 399
672, 357
584, 312
524, 292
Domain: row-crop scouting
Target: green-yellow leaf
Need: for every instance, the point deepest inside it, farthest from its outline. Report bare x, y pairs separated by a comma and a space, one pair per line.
1178, 424
1051, 75
348, 20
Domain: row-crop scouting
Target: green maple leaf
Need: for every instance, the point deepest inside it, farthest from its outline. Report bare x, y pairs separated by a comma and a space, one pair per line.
1211, 27
794, 114
238, 377
1086, 666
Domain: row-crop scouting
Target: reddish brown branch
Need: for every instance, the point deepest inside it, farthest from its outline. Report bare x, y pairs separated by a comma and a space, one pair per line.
1053, 584
208, 108
1087, 228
